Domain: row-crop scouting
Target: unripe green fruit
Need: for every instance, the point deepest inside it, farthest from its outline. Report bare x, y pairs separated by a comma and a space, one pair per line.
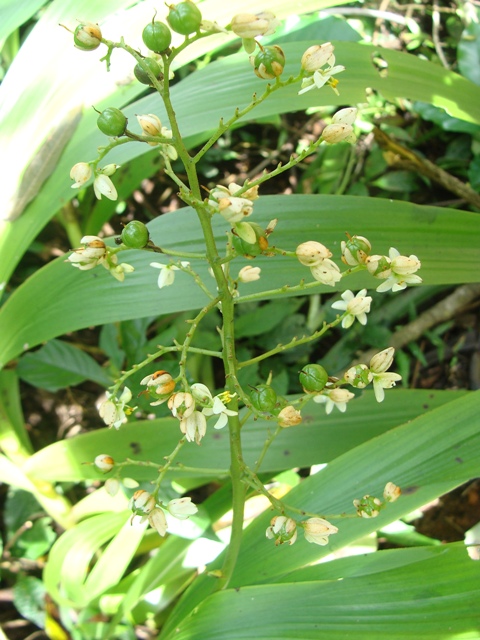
251, 250
112, 122
269, 62
157, 36
185, 17
87, 37
142, 76
263, 397
313, 377
135, 235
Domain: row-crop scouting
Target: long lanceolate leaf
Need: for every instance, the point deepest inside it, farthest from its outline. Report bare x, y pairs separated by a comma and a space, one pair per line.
58, 298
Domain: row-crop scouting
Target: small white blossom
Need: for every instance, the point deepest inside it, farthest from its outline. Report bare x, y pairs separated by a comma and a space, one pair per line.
356, 307
181, 404
327, 272
141, 501
166, 276
321, 77
317, 56
182, 508
251, 25
232, 208
81, 173
341, 129
391, 492
104, 462
158, 521
334, 398
317, 530
382, 379
194, 426
403, 270
92, 253
219, 409
289, 417
112, 411
103, 186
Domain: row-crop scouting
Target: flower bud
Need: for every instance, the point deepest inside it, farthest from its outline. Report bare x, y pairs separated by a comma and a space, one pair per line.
104, 462
282, 530
404, 266
263, 397
250, 25
334, 133
150, 124
313, 378
317, 530
359, 376
182, 508
249, 274
158, 521
312, 253
382, 360
109, 169
317, 56
289, 417
391, 492
327, 272
81, 173
269, 62
355, 250
142, 501
112, 485
87, 36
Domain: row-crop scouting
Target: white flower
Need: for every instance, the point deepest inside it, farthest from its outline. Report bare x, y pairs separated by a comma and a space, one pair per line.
81, 173
232, 208
112, 411
322, 76
282, 529
103, 186
402, 272
167, 273
92, 253
249, 274
158, 521
356, 307
317, 530
391, 492
141, 501
219, 409
151, 125
182, 508
202, 393
334, 398
160, 384
327, 272
194, 426
181, 404
118, 271
381, 378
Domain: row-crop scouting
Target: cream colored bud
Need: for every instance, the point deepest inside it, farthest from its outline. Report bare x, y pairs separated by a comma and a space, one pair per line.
312, 253
158, 521
142, 501
382, 360
317, 56
391, 492
317, 530
289, 417
334, 133
249, 274
182, 508
104, 462
250, 25
81, 173
150, 124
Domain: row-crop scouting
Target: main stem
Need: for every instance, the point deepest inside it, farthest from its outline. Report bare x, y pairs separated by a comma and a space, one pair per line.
228, 334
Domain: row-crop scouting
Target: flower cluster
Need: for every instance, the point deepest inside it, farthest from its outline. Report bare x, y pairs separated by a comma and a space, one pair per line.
284, 530
316, 256
318, 62
395, 270
370, 507
235, 208
145, 505
95, 252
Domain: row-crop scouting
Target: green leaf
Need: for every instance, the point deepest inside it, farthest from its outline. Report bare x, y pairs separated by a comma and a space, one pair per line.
445, 240
468, 52
13, 14
29, 599
58, 365
263, 319
14, 438
424, 594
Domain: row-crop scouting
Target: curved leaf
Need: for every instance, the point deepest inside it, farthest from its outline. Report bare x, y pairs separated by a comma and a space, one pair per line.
58, 298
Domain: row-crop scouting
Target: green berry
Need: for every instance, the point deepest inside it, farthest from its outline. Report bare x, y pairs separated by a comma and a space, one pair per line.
250, 250
185, 17
263, 397
87, 37
135, 235
142, 76
112, 122
157, 36
313, 378
269, 62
